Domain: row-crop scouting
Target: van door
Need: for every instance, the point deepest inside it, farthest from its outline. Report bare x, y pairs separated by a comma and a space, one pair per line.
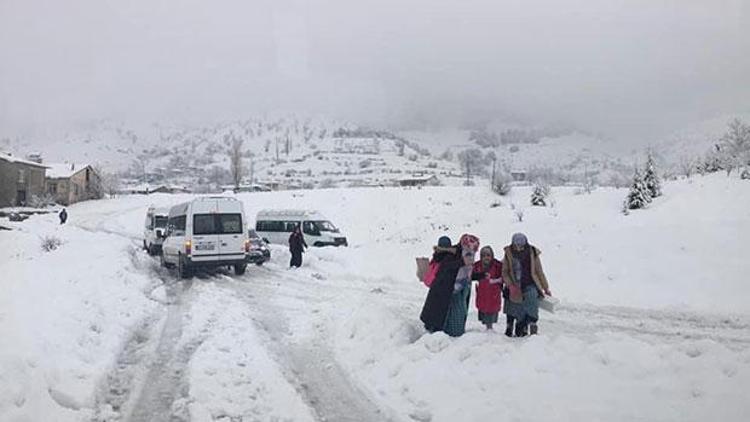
231, 235
205, 239
311, 232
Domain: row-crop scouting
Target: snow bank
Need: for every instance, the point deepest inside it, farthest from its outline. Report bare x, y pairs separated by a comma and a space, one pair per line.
571, 375
63, 317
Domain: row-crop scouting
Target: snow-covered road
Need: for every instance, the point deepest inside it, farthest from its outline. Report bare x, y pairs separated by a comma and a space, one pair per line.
102, 333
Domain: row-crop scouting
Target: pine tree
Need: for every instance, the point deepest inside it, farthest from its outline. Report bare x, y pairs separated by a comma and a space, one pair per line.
639, 195
539, 195
651, 179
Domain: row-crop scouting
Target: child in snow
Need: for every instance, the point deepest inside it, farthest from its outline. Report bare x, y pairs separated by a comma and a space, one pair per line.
488, 271
526, 282
455, 321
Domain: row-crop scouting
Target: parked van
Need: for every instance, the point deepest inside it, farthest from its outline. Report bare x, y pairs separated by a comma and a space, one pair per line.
275, 226
206, 232
154, 228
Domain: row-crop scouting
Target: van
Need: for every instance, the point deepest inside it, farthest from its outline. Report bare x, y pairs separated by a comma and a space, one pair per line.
206, 232
154, 228
275, 226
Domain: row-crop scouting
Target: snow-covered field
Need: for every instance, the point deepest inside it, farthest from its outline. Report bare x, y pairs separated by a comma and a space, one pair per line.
654, 323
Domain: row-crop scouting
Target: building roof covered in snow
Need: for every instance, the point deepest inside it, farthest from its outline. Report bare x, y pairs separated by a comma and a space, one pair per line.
11, 159
64, 170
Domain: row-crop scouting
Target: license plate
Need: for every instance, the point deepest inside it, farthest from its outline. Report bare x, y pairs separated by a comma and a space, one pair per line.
204, 246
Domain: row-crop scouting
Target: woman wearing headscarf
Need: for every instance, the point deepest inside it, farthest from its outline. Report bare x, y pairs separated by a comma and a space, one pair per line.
455, 320
297, 246
439, 296
488, 271
522, 273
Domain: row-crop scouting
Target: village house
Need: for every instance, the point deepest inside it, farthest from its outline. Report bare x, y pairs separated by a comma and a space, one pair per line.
20, 180
419, 180
71, 183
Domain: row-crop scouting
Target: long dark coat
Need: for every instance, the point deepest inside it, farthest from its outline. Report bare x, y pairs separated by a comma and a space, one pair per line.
438, 298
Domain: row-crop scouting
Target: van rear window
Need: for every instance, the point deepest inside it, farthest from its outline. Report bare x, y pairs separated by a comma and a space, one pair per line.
204, 224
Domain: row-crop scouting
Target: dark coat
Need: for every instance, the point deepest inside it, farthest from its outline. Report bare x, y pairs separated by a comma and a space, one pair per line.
297, 243
438, 299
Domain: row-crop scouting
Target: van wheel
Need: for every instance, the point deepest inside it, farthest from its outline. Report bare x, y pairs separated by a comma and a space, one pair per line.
183, 270
239, 269
318, 244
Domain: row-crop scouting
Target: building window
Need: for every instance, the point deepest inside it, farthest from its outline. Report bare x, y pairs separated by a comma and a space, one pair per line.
52, 188
21, 176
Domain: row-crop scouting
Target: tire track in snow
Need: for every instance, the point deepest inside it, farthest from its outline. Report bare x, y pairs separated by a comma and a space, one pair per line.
309, 365
150, 377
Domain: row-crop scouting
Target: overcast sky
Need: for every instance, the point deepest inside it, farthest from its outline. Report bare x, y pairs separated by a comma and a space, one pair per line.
634, 67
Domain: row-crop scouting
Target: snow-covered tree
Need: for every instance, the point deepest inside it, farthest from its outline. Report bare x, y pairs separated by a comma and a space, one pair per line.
650, 178
736, 142
539, 194
639, 196
501, 185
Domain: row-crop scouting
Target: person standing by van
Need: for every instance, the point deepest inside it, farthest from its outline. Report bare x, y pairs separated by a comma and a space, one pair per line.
297, 246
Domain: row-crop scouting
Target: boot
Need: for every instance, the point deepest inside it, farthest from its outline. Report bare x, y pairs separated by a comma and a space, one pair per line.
533, 329
520, 329
509, 328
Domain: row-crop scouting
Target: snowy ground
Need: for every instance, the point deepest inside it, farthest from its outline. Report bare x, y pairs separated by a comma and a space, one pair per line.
654, 323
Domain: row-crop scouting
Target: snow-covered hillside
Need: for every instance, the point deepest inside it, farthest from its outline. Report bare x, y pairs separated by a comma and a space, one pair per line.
294, 152
654, 311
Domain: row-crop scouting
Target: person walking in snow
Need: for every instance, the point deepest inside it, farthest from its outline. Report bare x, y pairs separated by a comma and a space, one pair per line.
526, 284
438, 298
455, 320
297, 246
488, 271
63, 216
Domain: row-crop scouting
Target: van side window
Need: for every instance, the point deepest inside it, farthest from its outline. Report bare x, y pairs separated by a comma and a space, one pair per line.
308, 227
177, 225
269, 226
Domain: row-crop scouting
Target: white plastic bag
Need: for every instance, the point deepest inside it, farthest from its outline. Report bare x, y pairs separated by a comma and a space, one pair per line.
548, 303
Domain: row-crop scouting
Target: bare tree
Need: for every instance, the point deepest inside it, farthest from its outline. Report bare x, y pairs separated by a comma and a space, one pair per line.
687, 166
235, 161
471, 161
108, 183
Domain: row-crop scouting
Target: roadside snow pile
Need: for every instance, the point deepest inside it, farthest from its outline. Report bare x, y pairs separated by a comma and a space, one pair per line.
63, 316
565, 374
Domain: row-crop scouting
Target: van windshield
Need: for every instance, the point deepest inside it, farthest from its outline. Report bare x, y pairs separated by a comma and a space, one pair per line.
204, 224
326, 226
160, 222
